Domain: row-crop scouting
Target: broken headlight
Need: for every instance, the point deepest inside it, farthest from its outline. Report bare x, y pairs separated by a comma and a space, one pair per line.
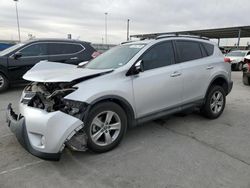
74, 108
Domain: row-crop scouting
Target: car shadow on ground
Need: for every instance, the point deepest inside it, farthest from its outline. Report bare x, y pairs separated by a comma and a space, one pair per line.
135, 136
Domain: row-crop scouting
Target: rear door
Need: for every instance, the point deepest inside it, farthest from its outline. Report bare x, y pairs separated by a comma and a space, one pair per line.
159, 87
63, 52
196, 69
30, 55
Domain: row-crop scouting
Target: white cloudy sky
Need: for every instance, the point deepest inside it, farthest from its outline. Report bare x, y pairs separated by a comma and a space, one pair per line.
85, 18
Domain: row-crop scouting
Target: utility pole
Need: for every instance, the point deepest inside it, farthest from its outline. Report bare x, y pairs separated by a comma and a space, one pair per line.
18, 27
128, 30
106, 28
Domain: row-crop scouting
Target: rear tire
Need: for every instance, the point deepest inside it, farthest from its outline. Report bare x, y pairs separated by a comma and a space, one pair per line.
246, 80
106, 125
215, 102
4, 83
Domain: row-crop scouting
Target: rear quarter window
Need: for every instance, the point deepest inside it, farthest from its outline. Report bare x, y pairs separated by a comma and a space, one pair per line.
209, 48
188, 50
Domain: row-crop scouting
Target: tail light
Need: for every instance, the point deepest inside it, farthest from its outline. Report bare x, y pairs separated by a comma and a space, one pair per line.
227, 60
95, 54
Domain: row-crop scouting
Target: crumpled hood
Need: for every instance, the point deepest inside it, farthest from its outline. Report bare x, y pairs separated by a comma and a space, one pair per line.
46, 71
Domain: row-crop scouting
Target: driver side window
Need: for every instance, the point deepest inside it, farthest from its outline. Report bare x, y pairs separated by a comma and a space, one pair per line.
39, 49
159, 55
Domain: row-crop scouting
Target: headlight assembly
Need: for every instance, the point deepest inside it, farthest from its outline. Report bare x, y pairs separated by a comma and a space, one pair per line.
74, 108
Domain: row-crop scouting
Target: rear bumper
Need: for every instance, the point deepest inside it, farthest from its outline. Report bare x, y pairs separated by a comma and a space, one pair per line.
42, 134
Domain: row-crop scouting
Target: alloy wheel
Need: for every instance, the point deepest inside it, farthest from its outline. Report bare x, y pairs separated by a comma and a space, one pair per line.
105, 128
217, 102
1, 81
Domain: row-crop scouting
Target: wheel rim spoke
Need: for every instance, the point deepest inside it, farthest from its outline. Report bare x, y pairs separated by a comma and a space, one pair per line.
218, 96
97, 135
212, 105
108, 138
115, 126
98, 122
1, 81
109, 116
220, 103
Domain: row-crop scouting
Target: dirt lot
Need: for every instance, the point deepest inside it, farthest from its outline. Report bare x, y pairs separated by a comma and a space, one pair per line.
176, 152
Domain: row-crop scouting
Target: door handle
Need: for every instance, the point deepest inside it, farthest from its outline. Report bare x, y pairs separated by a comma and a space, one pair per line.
175, 74
210, 67
73, 58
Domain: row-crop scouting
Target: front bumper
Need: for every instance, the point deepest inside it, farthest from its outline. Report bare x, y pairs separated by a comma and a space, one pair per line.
40, 133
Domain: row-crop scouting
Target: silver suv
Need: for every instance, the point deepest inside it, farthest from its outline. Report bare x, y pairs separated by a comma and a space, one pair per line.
91, 105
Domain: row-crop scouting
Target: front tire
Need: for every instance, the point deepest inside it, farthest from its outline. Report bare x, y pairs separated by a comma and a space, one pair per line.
4, 83
215, 102
106, 125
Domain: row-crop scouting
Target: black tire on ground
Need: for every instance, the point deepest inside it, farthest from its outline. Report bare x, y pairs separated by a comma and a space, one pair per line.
4, 82
93, 113
233, 67
207, 109
246, 80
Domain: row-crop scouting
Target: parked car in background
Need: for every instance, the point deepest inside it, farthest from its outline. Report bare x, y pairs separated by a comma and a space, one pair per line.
246, 71
18, 59
92, 106
237, 58
4, 46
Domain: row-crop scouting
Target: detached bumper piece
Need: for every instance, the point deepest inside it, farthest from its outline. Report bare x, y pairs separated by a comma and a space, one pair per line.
17, 125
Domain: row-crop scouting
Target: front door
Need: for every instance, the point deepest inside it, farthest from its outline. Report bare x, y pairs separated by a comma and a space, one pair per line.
159, 87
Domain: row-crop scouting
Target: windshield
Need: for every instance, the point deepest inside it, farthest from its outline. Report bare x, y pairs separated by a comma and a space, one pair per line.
115, 57
236, 54
10, 49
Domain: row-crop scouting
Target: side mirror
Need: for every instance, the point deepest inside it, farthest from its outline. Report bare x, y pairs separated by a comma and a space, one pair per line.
82, 64
138, 67
17, 55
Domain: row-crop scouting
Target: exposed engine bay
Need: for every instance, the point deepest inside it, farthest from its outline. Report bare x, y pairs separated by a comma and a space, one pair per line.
50, 97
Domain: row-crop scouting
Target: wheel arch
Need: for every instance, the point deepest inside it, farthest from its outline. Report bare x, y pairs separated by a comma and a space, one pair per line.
4, 73
123, 103
220, 80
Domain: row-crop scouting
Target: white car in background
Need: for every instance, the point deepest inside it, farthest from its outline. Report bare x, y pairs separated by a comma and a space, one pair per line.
237, 58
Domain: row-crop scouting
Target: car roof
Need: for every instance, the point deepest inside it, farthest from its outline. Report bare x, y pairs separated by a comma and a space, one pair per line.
54, 40
147, 41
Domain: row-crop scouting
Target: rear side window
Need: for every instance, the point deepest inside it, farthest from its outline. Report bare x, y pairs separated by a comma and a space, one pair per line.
64, 48
188, 50
39, 49
158, 56
209, 48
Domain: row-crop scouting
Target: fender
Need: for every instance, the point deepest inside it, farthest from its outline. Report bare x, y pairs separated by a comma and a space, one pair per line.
216, 77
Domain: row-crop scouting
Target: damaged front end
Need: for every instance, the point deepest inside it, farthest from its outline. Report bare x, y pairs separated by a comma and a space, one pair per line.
50, 97
47, 122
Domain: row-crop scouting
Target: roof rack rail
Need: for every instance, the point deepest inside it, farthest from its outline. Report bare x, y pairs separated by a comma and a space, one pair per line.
126, 42
181, 35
